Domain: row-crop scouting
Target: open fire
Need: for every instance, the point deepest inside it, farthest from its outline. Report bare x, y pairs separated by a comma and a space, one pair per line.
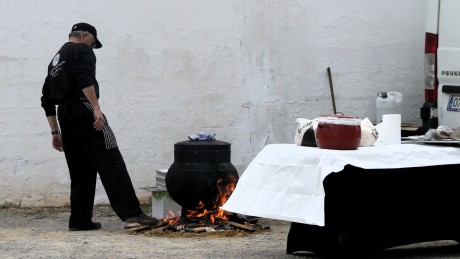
209, 218
225, 189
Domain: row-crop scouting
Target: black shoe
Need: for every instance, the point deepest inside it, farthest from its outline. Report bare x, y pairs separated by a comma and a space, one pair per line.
91, 226
141, 219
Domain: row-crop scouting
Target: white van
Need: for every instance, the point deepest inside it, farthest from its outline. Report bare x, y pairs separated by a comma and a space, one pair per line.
442, 65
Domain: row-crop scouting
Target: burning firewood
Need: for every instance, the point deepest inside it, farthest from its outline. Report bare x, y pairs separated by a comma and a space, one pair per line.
186, 226
207, 216
203, 229
137, 228
159, 230
241, 226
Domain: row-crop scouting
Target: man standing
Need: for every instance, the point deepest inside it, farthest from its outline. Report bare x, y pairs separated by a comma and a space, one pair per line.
84, 135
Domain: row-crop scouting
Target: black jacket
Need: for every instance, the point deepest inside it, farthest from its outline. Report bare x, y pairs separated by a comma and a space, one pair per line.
72, 69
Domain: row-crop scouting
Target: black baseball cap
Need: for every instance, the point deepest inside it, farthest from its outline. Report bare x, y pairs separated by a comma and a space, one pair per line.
89, 28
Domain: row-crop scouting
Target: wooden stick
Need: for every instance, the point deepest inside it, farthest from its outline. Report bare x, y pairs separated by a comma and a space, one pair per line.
332, 89
138, 228
158, 230
142, 227
241, 226
199, 229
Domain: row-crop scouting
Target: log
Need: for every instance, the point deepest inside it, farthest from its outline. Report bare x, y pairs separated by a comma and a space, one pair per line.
204, 228
138, 228
162, 225
199, 229
241, 226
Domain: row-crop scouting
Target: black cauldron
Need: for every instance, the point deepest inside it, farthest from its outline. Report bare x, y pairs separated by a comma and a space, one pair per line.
198, 167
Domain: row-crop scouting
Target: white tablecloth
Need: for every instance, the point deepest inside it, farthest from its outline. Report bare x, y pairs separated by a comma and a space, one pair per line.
285, 181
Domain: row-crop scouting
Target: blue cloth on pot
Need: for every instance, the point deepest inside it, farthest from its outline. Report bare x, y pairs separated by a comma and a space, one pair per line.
202, 136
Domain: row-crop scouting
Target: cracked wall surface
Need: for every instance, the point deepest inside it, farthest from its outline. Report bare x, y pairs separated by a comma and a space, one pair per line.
244, 70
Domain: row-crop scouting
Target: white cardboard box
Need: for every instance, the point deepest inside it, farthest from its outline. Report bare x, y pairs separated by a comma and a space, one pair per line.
162, 204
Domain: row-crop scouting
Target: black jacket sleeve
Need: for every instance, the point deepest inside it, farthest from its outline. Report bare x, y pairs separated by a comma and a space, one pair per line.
85, 66
47, 103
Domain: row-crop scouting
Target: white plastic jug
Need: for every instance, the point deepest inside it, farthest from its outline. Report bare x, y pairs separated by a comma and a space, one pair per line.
388, 103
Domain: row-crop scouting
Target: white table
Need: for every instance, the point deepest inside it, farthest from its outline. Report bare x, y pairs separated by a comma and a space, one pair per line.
285, 181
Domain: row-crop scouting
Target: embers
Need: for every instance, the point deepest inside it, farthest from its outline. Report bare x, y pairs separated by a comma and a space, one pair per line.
202, 224
236, 225
210, 217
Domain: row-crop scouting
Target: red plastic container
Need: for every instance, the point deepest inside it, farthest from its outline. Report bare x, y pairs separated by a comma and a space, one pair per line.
338, 132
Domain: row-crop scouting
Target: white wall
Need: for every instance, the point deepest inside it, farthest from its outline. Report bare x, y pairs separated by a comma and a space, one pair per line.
244, 70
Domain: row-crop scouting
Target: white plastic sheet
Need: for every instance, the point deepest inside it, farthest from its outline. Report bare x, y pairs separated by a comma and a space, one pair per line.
285, 181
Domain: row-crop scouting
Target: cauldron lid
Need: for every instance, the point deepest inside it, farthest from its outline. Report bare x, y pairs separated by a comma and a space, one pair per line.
202, 145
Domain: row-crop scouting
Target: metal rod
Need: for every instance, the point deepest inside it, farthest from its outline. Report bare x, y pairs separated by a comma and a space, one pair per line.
332, 89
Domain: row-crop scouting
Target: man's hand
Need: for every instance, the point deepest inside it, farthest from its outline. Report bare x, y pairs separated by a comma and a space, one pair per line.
99, 120
57, 142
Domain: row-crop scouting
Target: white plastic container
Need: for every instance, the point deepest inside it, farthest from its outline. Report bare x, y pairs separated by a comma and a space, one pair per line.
388, 103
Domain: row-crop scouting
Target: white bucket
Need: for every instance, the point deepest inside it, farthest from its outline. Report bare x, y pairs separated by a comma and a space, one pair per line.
388, 103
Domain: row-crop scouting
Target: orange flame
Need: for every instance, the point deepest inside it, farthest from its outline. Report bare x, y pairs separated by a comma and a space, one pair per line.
171, 219
225, 190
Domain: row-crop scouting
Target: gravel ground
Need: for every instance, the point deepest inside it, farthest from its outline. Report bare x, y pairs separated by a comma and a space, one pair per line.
42, 233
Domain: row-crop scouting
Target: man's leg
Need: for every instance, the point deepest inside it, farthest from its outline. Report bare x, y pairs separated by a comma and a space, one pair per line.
83, 182
114, 177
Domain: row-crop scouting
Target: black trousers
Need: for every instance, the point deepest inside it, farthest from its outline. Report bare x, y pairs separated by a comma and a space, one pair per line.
86, 155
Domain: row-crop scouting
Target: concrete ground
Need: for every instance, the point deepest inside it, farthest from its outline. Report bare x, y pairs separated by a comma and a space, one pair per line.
42, 233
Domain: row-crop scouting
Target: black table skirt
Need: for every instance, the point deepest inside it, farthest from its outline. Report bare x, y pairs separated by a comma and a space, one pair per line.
372, 209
